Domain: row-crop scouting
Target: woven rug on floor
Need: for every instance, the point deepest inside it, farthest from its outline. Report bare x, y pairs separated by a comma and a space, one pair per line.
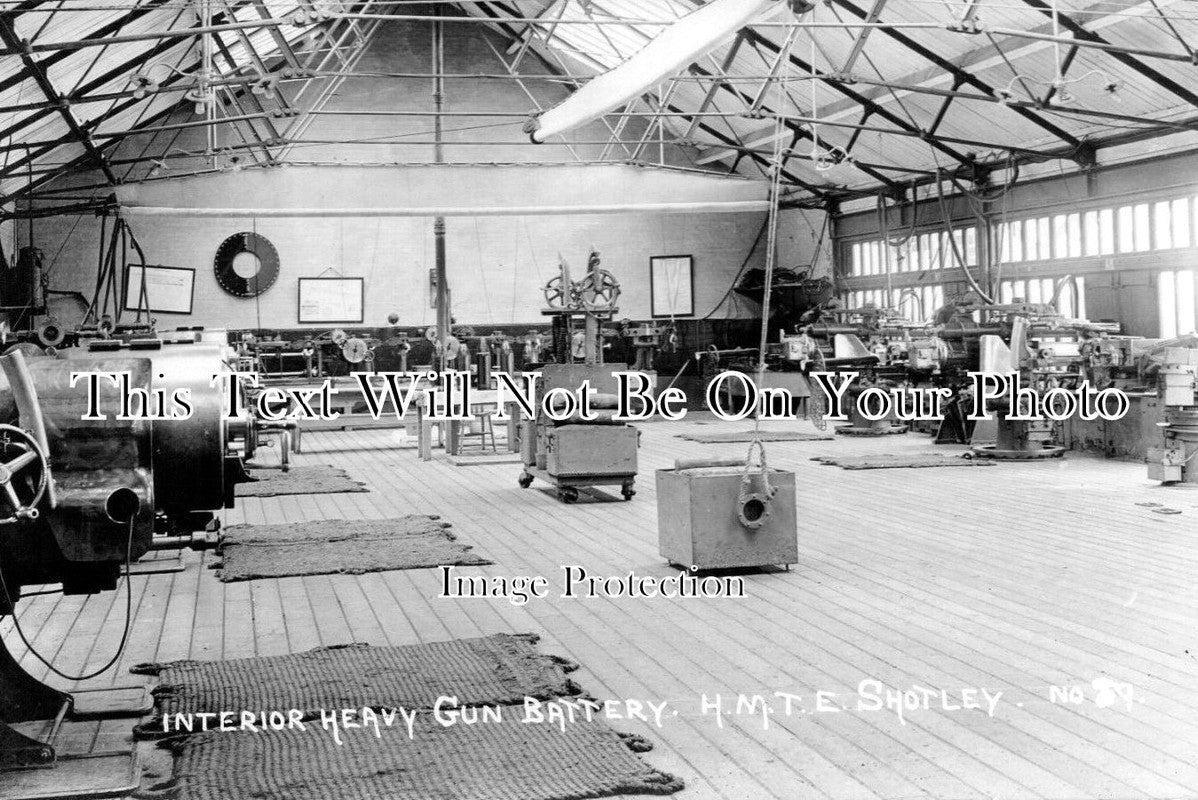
339, 547
315, 479
505, 760
748, 436
498, 669
898, 461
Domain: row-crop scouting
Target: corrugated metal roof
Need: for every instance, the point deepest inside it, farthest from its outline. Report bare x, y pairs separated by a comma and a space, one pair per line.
896, 87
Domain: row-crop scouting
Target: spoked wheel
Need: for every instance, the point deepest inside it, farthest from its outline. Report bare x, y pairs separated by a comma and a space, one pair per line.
24, 472
599, 290
556, 292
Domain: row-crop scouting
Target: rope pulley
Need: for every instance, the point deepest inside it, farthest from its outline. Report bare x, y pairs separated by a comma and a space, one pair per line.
756, 494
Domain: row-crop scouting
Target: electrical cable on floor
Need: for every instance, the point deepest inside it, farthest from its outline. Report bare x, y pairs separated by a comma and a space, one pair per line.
16, 622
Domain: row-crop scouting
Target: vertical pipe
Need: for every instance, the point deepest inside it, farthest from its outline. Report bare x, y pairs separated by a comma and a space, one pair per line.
443, 327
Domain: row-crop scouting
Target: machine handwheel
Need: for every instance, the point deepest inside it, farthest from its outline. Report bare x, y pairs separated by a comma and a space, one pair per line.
599, 290
19, 452
525, 480
556, 293
568, 494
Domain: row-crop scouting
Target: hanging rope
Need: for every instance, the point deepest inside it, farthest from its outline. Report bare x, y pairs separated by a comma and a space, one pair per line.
753, 505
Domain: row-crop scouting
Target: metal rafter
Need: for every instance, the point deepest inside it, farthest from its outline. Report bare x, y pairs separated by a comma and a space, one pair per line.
960, 76
8, 34
1126, 59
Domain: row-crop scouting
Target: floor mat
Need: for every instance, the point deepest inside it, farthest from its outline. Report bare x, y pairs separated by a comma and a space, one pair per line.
333, 530
339, 547
505, 760
499, 669
748, 436
897, 461
316, 479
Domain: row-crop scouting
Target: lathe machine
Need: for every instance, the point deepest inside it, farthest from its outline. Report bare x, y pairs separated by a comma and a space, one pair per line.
82, 498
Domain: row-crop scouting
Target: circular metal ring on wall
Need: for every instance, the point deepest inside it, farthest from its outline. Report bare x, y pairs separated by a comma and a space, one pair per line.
256, 245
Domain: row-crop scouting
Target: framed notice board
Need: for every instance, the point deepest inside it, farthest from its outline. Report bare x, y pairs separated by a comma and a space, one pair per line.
331, 300
168, 289
672, 286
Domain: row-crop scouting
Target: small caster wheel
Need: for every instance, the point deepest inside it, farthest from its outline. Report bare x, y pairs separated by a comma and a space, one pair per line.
525, 480
568, 494
628, 492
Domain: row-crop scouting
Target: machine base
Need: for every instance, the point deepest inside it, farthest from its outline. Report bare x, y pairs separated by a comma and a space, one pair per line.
992, 451
852, 430
567, 487
112, 774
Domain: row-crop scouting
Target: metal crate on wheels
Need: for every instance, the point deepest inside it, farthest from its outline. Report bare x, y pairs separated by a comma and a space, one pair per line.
576, 452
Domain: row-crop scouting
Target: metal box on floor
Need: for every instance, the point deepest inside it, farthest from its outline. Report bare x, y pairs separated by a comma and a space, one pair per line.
599, 450
701, 522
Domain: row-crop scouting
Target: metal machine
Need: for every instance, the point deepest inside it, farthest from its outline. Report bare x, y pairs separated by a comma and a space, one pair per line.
1175, 459
579, 452
82, 498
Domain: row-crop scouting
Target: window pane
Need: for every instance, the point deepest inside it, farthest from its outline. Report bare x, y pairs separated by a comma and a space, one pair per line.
1185, 301
937, 296
925, 251
971, 246
1180, 212
1106, 231
1143, 228
956, 251
1031, 240
1016, 233
1162, 219
1005, 293
1060, 248
1033, 291
1166, 295
1073, 224
1065, 300
1044, 231
1090, 223
1127, 240
855, 259
1081, 298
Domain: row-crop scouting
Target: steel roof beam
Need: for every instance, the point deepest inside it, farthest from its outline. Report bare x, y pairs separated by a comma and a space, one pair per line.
864, 101
8, 34
1131, 62
960, 76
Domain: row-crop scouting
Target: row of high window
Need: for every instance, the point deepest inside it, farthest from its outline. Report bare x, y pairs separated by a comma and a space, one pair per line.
919, 252
1133, 228
1177, 302
919, 303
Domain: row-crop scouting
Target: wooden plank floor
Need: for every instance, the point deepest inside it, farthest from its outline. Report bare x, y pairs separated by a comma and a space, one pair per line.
1015, 578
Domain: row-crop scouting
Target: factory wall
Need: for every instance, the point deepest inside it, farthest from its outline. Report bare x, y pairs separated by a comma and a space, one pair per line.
1119, 286
496, 265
